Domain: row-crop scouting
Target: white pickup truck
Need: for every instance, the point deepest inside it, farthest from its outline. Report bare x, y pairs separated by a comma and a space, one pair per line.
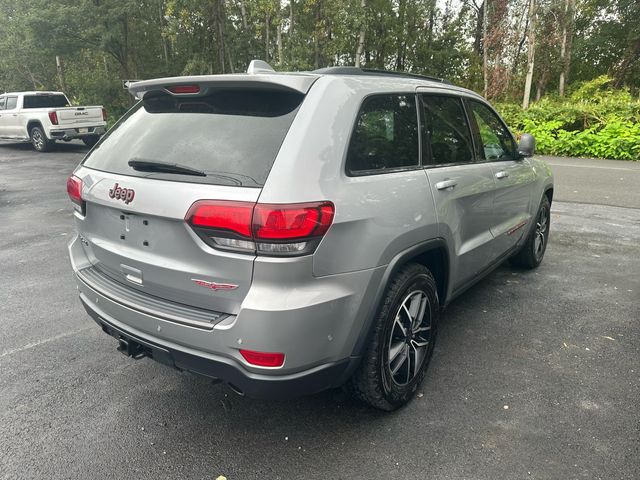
44, 117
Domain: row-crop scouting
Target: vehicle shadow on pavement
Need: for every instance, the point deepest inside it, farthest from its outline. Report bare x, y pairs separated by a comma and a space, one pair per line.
192, 410
58, 148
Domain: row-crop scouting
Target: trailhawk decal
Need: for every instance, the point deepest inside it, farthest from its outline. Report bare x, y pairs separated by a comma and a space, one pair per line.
516, 228
124, 194
213, 285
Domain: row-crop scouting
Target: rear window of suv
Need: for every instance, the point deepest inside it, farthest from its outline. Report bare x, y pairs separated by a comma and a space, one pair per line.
45, 101
232, 135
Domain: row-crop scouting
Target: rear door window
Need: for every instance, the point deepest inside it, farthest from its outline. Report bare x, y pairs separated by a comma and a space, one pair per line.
232, 135
3, 100
446, 131
385, 137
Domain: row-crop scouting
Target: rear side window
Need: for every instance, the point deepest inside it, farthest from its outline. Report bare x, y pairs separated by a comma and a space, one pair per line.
232, 135
446, 130
12, 102
497, 142
45, 101
3, 100
385, 136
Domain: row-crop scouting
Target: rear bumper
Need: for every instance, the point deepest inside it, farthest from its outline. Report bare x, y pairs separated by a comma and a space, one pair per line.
71, 133
254, 385
316, 325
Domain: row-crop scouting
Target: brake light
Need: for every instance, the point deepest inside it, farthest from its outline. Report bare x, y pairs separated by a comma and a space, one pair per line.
74, 189
231, 217
269, 229
283, 222
104, 114
181, 89
263, 359
53, 117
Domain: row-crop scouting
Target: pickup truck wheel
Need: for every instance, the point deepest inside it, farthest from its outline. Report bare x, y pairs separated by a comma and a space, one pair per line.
532, 252
91, 140
39, 140
405, 330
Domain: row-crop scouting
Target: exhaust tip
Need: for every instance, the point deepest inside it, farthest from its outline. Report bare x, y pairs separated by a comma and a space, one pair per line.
235, 389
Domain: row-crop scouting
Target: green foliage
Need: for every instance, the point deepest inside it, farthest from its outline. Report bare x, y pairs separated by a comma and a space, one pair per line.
594, 121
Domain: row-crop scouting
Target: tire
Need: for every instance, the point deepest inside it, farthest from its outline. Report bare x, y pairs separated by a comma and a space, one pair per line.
39, 140
90, 140
385, 378
532, 252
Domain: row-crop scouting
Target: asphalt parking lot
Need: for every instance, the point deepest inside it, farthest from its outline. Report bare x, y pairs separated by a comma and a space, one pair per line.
536, 375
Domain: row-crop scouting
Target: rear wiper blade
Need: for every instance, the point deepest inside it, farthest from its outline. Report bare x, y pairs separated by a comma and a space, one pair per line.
151, 166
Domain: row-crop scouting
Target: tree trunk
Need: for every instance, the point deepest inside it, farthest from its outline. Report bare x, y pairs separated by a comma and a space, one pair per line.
290, 18
219, 18
60, 68
485, 47
363, 32
267, 24
243, 14
316, 36
565, 47
432, 13
163, 38
478, 31
279, 42
531, 52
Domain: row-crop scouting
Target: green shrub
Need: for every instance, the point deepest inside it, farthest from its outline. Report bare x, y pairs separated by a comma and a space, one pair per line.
594, 121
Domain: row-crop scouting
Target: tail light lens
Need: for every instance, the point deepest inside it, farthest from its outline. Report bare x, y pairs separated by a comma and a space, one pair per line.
74, 189
263, 359
53, 117
104, 114
267, 229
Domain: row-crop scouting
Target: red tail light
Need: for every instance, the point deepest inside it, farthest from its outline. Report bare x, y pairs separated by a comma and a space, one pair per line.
74, 189
263, 359
231, 217
286, 222
271, 229
53, 118
104, 114
184, 89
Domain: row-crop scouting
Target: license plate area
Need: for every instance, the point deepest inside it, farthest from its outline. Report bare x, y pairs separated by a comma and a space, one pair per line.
83, 130
135, 230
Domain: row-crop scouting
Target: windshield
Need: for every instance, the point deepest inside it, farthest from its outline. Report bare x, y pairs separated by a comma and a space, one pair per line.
232, 135
45, 101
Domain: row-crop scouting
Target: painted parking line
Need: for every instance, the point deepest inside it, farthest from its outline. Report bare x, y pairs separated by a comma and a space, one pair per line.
594, 166
37, 343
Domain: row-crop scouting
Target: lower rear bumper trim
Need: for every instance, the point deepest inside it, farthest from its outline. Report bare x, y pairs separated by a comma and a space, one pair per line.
254, 385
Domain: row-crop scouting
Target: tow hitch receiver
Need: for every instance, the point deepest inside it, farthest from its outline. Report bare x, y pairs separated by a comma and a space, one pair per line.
132, 349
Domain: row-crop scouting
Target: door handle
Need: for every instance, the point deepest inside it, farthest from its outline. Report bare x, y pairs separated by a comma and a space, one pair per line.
502, 174
446, 185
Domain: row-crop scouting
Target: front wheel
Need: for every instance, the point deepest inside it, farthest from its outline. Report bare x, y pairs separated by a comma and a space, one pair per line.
532, 252
405, 330
39, 140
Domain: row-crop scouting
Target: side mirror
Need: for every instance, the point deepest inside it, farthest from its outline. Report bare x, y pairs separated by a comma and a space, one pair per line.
527, 145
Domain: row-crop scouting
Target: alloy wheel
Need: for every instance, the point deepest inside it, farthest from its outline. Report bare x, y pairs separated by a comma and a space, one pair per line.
409, 338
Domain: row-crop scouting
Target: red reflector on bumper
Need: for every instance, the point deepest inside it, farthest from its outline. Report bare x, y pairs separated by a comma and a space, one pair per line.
263, 359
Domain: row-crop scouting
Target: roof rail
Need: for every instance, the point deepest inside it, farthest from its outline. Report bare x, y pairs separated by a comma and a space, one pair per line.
374, 72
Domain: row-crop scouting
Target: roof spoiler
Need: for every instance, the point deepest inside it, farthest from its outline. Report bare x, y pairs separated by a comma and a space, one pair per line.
259, 75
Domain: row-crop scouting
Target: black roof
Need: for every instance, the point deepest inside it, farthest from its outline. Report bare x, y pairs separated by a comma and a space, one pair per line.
377, 73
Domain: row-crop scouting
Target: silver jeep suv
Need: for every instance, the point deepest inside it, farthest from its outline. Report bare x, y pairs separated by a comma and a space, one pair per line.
292, 232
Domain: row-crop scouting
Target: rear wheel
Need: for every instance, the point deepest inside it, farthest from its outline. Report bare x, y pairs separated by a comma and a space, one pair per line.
400, 350
91, 140
532, 252
39, 140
